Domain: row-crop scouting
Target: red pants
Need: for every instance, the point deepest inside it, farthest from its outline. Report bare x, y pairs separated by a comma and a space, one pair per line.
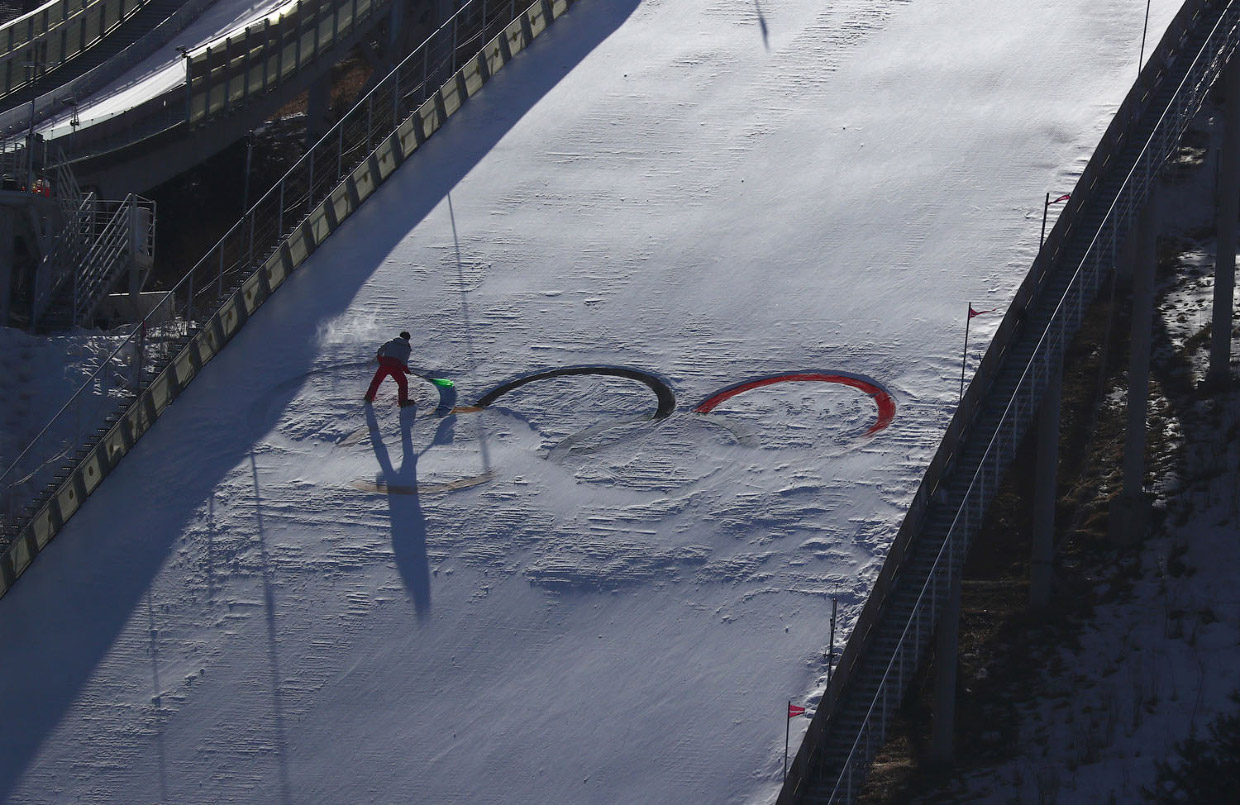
393, 367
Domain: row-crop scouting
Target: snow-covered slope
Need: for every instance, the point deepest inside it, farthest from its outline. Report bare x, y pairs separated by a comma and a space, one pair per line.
279, 596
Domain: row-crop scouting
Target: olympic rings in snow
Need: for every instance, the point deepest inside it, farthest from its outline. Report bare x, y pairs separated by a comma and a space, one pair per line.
666, 405
667, 398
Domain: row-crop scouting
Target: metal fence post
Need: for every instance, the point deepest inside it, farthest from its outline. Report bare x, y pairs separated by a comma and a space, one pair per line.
297, 38
310, 185
396, 119
139, 354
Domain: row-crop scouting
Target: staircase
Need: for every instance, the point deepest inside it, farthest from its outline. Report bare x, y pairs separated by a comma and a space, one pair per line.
104, 241
99, 242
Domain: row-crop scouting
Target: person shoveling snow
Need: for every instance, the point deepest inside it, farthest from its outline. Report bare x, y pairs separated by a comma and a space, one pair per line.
393, 358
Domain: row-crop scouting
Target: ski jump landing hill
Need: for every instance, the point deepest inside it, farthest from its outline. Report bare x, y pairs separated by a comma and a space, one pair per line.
283, 596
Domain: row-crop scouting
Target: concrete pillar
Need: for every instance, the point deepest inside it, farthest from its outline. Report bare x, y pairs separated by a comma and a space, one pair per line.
398, 23
6, 263
946, 659
1130, 511
1227, 210
1046, 477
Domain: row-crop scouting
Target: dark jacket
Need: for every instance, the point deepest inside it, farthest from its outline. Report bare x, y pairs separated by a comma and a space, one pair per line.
397, 348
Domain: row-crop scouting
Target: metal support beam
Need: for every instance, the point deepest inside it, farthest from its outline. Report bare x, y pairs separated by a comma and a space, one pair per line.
7, 257
135, 269
1046, 476
397, 25
1130, 511
1227, 210
946, 660
318, 108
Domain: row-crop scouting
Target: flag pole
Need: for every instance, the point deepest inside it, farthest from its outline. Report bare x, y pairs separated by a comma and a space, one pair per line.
968, 319
831, 649
1045, 207
787, 730
1144, 31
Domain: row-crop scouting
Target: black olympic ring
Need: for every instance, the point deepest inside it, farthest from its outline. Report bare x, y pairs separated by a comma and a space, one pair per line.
662, 391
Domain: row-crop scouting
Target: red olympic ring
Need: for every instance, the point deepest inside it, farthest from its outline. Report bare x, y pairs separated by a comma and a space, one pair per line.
886, 405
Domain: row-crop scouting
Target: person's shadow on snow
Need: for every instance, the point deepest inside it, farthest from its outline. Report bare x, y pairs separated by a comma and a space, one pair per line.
405, 510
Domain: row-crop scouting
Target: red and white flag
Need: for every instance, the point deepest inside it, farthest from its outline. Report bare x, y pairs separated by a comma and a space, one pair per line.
1064, 197
973, 312
795, 710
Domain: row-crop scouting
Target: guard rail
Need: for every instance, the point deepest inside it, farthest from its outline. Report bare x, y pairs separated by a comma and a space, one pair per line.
54, 33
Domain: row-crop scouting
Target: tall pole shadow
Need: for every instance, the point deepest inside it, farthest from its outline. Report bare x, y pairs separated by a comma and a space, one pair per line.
161, 755
405, 510
766, 37
273, 653
472, 355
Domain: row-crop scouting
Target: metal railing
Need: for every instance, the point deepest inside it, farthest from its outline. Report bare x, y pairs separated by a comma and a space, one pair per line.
220, 76
77, 211
339, 152
62, 260
53, 34
1007, 389
16, 163
89, 250
123, 238
224, 72
53, 100
148, 368
65, 185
